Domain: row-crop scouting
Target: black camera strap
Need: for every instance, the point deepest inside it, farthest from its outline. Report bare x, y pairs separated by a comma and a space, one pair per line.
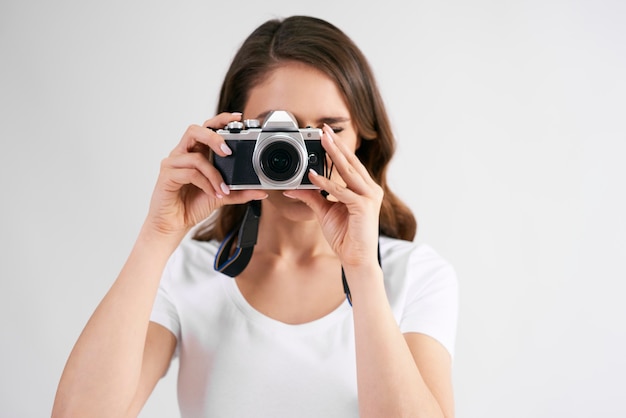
246, 235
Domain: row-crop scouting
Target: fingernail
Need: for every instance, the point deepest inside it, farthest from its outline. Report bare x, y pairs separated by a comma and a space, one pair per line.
327, 131
219, 196
236, 113
313, 172
225, 188
262, 197
286, 194
225, 149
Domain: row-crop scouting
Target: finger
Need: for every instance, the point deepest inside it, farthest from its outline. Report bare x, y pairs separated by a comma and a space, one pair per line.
177, 179
346, 162
221, 120
244, 196
349, 155
198, 139
189, 170
189, 177
312, 198
196, 136
198, 162
344, 194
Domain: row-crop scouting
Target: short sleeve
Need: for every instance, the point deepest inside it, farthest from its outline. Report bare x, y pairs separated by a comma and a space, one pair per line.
432, 300
164, 310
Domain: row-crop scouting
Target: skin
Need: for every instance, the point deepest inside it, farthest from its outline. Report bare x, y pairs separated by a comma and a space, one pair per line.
311, 238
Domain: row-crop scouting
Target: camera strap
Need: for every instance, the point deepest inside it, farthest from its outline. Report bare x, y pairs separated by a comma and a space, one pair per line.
245, 239
245, 236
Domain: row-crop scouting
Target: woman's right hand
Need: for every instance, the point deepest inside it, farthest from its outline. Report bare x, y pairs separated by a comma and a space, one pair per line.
120, 355
189, 188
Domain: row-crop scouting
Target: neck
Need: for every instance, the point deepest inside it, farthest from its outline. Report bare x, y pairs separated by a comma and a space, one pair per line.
294, 239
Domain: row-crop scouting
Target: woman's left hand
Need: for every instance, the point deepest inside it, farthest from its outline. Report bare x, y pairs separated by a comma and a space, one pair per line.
350, 224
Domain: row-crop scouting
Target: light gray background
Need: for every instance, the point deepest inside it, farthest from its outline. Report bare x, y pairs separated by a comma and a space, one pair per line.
510, 121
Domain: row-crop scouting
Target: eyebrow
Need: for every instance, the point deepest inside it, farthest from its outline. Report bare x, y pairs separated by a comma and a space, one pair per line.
262, 116
332, 120
326, 119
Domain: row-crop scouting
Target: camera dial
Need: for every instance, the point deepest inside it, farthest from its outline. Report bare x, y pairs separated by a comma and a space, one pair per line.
252, 123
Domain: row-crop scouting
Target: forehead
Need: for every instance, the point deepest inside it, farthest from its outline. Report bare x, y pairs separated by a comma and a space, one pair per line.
301, 89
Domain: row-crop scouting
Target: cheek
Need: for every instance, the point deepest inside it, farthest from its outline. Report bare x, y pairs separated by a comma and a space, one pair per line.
353, 141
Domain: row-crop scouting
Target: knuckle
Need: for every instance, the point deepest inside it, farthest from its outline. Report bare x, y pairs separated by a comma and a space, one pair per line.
379, 192
165, 163
195, 176
196, 159
376, 193
338, 188
190, 129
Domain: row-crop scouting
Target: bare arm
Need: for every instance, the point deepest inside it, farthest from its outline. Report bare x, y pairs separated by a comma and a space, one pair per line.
157, 356
397, 375
119, 356
435, 365
103, 371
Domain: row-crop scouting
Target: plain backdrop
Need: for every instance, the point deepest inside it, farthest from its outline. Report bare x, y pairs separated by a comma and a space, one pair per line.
510, 118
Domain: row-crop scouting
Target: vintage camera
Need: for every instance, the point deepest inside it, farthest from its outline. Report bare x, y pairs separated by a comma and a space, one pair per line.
277, 155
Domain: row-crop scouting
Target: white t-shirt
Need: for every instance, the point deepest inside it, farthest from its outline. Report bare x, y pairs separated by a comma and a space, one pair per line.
237, 362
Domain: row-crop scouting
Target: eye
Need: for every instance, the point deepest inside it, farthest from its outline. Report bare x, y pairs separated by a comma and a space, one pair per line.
335, 129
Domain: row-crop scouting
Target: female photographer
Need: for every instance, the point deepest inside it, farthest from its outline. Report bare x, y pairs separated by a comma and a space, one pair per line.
283, 337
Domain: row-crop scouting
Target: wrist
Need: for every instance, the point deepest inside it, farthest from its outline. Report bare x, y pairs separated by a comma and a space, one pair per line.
158, 238
363, 277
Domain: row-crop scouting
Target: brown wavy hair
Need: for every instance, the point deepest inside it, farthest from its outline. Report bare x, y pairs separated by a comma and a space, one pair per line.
325, 47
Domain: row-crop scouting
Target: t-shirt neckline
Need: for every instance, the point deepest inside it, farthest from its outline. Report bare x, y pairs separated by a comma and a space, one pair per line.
250, 312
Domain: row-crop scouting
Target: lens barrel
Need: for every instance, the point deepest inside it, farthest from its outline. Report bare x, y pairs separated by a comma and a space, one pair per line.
280, 161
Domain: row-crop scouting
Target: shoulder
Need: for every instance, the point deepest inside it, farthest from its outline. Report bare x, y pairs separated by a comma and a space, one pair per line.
190, 282
415, 270
192, 295
418, 258
191, 259
193, 251
422, 289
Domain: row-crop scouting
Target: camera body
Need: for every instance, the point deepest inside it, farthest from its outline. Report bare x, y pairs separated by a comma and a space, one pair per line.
277, 155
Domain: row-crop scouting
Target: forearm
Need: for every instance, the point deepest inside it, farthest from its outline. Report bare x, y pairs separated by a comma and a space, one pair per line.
103, 370
389, 381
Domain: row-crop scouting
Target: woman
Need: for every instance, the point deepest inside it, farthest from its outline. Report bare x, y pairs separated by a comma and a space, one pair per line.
279, 339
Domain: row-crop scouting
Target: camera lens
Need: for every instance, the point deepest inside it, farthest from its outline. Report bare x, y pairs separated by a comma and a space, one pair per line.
280, 161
